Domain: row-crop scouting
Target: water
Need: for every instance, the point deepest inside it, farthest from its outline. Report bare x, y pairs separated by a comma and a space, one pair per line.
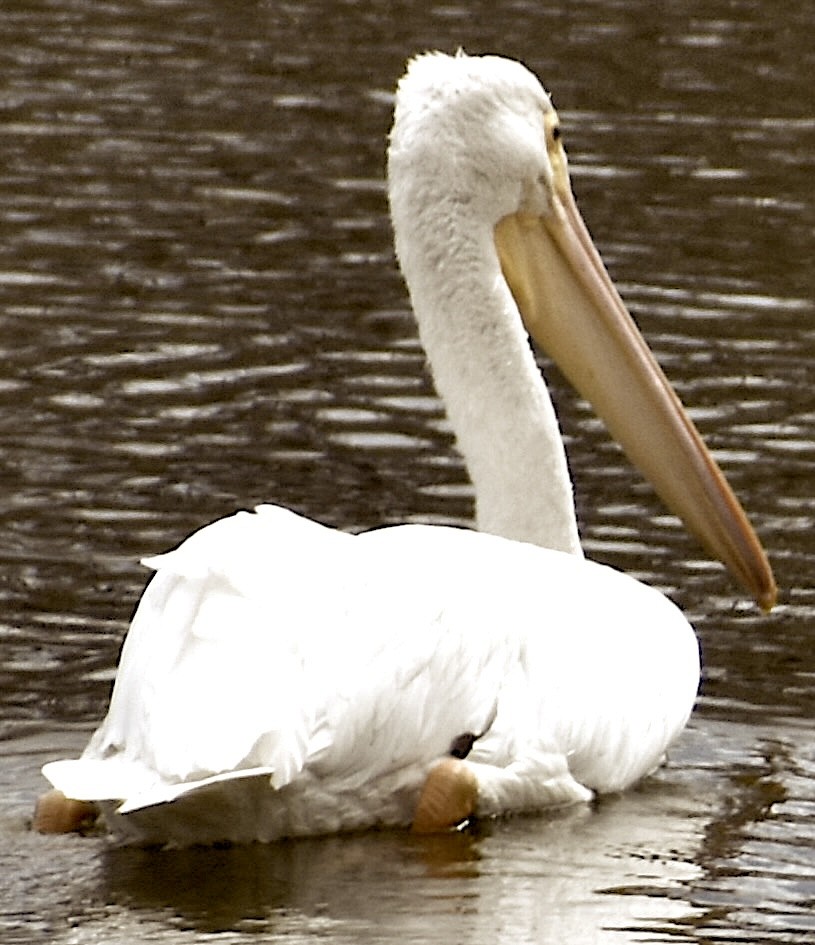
199, 310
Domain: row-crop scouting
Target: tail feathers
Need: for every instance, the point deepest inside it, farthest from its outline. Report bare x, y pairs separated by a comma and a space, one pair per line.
167, 793
88, 779
130, 783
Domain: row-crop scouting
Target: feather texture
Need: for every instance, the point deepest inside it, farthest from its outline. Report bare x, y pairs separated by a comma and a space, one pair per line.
309, 685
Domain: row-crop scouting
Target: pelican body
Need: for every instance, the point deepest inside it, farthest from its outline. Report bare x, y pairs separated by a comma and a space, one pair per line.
281, 678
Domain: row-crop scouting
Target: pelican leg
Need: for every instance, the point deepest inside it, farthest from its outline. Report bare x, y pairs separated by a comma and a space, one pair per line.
448, 798
56, 813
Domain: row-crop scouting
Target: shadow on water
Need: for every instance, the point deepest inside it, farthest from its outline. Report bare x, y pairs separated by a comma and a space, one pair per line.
388, 886
233, 888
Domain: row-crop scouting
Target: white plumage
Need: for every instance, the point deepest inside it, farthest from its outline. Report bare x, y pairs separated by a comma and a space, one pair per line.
282, 678
318, 675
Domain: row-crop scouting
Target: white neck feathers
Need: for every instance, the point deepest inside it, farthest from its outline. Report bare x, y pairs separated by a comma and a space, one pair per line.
479, 352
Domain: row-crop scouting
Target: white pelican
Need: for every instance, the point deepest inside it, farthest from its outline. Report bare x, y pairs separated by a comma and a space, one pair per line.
281, 678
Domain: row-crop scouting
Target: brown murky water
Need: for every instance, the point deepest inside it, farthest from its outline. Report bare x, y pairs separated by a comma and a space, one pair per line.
199, 310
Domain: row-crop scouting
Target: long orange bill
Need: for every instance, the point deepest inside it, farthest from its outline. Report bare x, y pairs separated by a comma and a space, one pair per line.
571, 308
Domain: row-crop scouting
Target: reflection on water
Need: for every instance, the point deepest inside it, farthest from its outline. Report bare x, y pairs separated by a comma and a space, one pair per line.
719, 840
199, 310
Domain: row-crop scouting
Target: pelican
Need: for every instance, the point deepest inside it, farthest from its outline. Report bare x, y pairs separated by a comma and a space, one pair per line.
281, 678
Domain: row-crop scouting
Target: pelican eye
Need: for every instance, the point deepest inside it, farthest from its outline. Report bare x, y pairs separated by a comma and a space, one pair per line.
553, 133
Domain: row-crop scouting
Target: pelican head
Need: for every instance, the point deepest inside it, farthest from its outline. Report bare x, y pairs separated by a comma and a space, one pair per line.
481, 198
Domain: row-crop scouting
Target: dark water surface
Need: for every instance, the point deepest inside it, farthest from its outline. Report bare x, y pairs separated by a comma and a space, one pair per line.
200, 310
